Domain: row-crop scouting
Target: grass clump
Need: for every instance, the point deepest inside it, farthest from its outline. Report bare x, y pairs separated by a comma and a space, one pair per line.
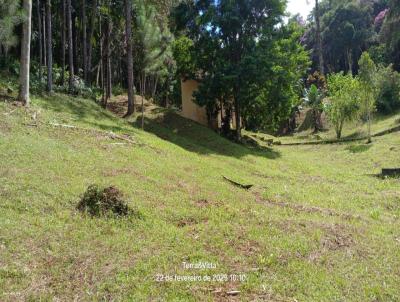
99, 202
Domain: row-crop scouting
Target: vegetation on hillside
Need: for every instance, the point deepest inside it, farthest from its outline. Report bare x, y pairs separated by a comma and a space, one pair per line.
108, 193
310, 230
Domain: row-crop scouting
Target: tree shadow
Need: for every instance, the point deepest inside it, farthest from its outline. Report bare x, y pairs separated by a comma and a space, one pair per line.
359, 148
81, 108
355, 135
193, 137
165, 124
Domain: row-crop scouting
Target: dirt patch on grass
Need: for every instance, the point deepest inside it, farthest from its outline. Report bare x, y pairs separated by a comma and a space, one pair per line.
186, 222
248, 248
4, 128
119, 104
117, 171
336, 238
176, 184
189, 221
227, 292
207, 203
303, 208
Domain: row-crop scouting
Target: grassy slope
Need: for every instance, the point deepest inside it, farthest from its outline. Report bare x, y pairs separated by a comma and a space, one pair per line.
354, 129
279, 233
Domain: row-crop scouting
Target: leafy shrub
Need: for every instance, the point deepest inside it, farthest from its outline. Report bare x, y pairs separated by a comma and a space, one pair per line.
80, 88
388, 84
343, 103
118, 90
313, 98
103, 202
9, 65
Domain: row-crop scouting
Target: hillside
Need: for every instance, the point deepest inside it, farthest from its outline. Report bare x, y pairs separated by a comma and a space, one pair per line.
318, 225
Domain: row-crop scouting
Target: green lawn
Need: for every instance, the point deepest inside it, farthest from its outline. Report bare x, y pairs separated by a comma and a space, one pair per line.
318, 225
351, 130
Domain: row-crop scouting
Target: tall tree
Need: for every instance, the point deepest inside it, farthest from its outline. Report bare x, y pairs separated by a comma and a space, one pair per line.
25, 53
70, 47
319, 40
44, 36
154, 47
367, 76
49, 47
90, 37
226, 34
63, 12
40, 39
390, 33
105, 52
107, 59
343, 101
128, 37
84, 41
347, 31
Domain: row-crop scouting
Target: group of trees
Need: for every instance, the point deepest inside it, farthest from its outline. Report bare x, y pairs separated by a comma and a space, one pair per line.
339, 34
346, 28
247, 60
250, 59
351, 97
95, 44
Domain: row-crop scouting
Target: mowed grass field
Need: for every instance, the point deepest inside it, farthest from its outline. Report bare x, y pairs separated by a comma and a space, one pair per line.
318, 224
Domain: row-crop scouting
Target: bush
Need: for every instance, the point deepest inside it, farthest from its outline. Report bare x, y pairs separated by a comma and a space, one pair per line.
343, 103
103, 202
388, 84
313, 98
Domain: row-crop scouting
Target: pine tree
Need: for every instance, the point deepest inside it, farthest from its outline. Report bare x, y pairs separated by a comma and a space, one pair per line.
70, 47
25, 53
128, 37
155, 47
49, 47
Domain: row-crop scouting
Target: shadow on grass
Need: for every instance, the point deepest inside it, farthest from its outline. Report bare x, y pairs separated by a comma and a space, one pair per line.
85, 110
359, 148
383, 177
81, 108
166, 124
193, 137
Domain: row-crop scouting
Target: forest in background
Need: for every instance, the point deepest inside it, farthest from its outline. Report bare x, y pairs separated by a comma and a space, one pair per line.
249, 56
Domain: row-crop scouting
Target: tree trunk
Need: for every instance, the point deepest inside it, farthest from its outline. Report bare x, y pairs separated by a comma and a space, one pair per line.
143, 94
63, 42
339, 129
128, 37
237, 119
153, 94
167, 83
319, 41
70, 47
91, 33
101, 68
40, 39
98, 74
49, 47
44, 37
108, 58
25, 54
84, 44
369, 127
75, 43
350, 61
